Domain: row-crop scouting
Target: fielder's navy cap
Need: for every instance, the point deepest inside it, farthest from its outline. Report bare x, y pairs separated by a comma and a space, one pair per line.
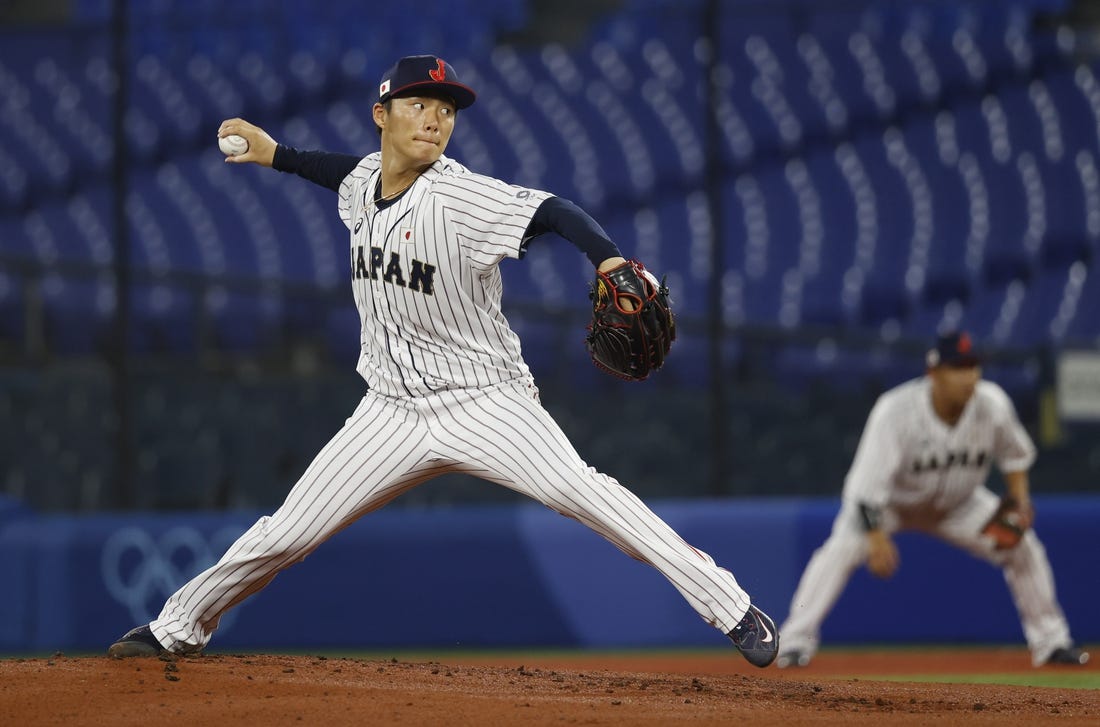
954, 349
427, 73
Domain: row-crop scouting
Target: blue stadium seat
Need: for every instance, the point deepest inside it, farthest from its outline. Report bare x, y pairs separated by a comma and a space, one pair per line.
261, 83
312, 240
982, 134
1039, 308
684, 253
1002, 36
1026, 128
1084, 326
860, 76
35, 148
240, 215
212, 91
838, 211
907, 66
766, 91
675, 134
201, 247
156, 246
947, 269
74, 114
165, 101
885, 294
992, 309
1073, 90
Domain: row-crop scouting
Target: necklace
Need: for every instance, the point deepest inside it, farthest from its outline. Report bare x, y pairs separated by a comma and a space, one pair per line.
387, 197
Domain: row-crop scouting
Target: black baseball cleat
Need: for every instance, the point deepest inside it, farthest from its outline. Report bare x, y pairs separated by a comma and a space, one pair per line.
756, 637
136, 642
792, 658
1070, 655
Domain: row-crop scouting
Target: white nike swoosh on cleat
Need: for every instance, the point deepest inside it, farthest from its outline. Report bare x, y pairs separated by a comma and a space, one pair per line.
767, 633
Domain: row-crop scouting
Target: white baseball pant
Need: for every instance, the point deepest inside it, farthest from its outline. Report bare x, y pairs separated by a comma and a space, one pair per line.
1026, 570
389, 445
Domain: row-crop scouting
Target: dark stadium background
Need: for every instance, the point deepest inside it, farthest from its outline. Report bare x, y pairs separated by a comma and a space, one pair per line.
825, 184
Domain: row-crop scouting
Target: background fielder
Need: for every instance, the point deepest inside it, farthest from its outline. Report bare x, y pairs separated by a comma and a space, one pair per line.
447, 388
921, 464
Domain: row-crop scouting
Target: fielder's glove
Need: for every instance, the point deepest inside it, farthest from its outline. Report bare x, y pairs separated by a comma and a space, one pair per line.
1008, 524
632, 326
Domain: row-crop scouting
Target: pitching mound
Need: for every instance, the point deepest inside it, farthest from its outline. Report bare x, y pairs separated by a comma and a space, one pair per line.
310, 690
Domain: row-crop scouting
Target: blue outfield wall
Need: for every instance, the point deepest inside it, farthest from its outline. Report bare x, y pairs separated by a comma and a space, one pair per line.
508, 576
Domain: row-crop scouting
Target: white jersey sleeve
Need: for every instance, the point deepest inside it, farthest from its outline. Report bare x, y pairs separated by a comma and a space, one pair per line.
351, 200
489, 217
878, 456
1013, 449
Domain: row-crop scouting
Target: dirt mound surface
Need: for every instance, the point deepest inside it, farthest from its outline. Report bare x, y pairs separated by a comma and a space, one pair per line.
313, 690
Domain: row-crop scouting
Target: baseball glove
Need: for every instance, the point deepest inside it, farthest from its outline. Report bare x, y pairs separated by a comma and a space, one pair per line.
632, 326
1008, 524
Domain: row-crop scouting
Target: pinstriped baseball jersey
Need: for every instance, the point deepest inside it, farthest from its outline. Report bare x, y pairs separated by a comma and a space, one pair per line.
426, 279
908, 456
448, 392
929, 476
448, 389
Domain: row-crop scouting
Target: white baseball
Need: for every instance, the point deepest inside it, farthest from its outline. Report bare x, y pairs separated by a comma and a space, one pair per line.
232, 145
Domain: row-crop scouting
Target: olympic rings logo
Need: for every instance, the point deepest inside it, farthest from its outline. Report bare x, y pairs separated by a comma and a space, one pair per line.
141, 571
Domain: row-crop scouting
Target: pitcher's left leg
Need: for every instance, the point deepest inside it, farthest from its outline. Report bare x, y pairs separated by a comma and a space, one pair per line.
513, 441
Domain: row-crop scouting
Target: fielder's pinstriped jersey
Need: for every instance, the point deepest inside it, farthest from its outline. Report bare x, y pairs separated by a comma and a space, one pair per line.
908, 456
426, 279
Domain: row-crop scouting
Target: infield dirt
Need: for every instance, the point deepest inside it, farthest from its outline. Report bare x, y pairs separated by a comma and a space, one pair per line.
621, 689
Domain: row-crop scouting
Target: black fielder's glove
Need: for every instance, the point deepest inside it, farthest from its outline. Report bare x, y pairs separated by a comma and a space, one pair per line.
632, 326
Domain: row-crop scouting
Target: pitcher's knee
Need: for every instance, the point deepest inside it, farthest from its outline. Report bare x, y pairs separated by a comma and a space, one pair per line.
577, 495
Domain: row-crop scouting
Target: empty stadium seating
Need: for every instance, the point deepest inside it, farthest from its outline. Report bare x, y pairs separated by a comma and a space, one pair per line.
951, 146
884, 169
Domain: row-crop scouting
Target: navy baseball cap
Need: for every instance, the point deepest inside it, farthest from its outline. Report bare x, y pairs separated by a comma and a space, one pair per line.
955, 349
427, 73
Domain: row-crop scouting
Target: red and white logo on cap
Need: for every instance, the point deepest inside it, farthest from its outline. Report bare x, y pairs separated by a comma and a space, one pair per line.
384, 88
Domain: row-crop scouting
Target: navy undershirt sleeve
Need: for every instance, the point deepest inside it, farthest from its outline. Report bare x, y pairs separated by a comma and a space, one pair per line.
559, 215
325, 168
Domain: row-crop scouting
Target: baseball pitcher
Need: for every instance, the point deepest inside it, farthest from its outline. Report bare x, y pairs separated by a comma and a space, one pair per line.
447, 388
